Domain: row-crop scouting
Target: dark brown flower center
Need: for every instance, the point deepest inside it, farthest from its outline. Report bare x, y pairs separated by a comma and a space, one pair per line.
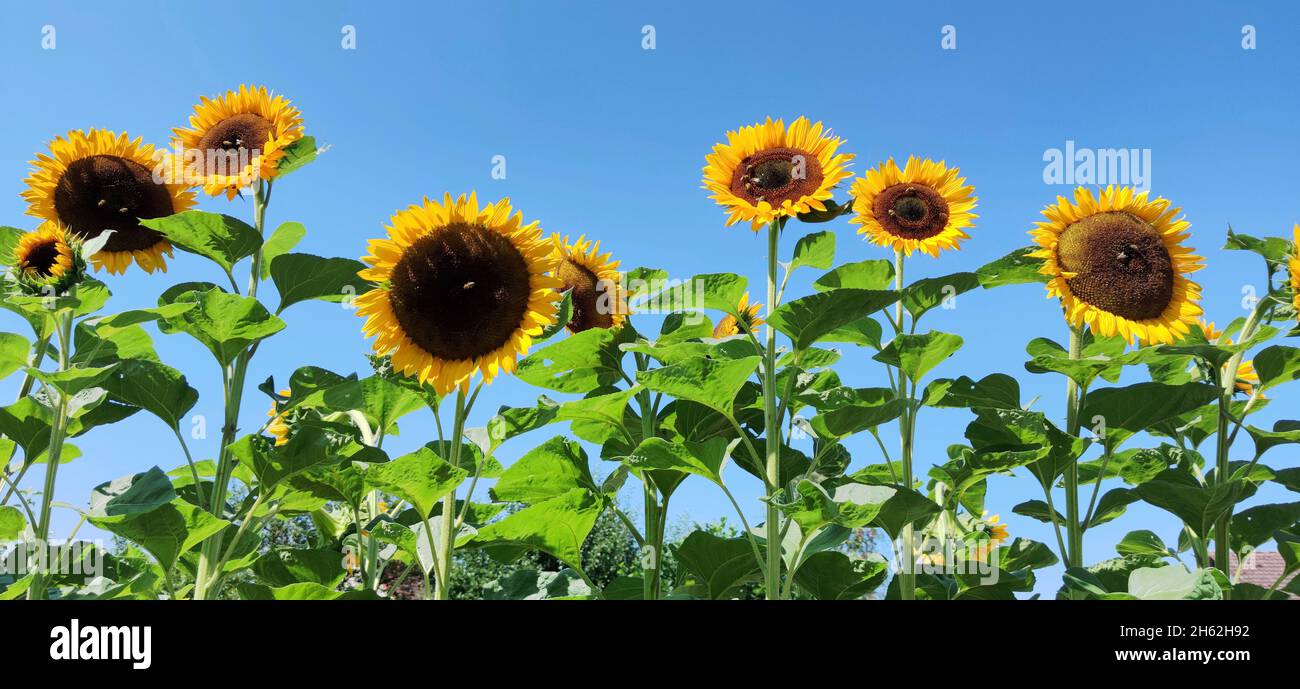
592, 308
460, 292
244, 131
106, 192
1121, 262
41, 259
911, 211
777, 175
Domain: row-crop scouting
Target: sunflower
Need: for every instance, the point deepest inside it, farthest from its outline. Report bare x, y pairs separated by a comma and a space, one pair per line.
592, 280
767, 171
1118, 263
749, 319
1294, 269
923, 206
96, 181
238, 137
460, 288
991, 534
279, 425
45, 255
1247, 378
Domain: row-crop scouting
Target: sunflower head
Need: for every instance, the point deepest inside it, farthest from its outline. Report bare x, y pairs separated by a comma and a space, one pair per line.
238, 137
99, 181
990, 534
592, 280
460, 288
923, 206
48, 257
1117, 262
748, 321
278, 427
1293, 267
768, 170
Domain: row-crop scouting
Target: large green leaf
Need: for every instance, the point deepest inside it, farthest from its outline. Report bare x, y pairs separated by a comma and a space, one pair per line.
705, 459
132, 494
226, 324
557, 526
925, 294
553, 468
1276, 365
1134, 408
997, 391
719, 565
1173, 583
12, 523
1017, 267
1255, 526
281, 242
815, 250
875, 274
711, 382
155, 387
166, 532
530, 584
27, 422
272, 463
807, 319
382, 400
221, 238
299, 277
287, 566
514, 421
852, 419
13, 353
1179, 493
581, 363
422, 478
832, 575
916, 355
296, 155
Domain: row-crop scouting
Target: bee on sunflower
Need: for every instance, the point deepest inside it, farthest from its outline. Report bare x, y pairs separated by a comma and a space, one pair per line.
592, 281
238, 137
768, 171
98, 181
460, 289
749, 319
1119, 264
924, 206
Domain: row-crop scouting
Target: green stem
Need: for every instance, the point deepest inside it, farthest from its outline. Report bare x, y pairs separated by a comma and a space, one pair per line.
445, 552
1073, 556
907, 558
53, 454
771, 425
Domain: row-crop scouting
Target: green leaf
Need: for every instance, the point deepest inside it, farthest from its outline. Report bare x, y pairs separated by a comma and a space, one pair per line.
166, 532
923, 295
288, 566
598, 418
530, 584
709, 382
903, 508
1276, 365
1283, 433
807, 319
917, 355
996, 391
223, 239
1255, 526
226, 324
720, 565
299, 277
833, 210
832, 575
422, 478
281, 242
510, 422
1142, 543
1275, 250
301, 591
816, 250
551, 469
155, 387
272, 464
1132, 409
132, 494
1173, 583
557, 526
296, 155
1037, 509
581, 363
12, 523
1112, 504
1016, 268
870, 275
382, 400
27, 422
1178, 492
13, 353
705, 459
73, 380
852, 419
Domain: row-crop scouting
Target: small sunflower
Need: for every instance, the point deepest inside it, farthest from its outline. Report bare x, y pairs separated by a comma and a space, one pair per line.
45, 256
766, 171
749, 319
1294, 269
592, 280
279, 425
992, 534
1118, 263
924, 206
460, 288
1247, 378
239, 137
96, 181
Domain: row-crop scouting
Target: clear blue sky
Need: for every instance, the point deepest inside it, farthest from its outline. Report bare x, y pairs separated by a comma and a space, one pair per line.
603, 137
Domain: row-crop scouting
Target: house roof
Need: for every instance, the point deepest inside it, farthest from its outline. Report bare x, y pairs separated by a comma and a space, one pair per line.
1261, 568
